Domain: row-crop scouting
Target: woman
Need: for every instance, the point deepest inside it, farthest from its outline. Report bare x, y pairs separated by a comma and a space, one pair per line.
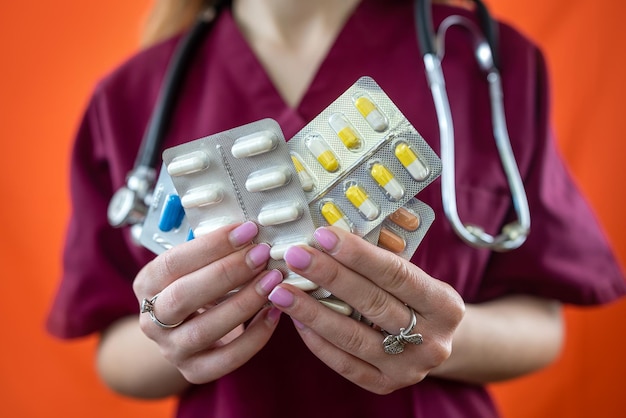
483, 316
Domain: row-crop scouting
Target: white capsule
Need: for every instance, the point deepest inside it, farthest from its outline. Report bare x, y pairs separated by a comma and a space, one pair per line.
202, 196
254, 144
211, 225
300, 282
337, 306
268, 179
276, 215
277, 252
188, 163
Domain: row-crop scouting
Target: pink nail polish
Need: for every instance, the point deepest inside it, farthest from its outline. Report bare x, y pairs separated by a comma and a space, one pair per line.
258, 255
269, 282
273, 315
297, 257
281, 297
243, 234
326, 238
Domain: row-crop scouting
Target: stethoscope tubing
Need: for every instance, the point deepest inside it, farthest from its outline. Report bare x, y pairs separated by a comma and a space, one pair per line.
134, 196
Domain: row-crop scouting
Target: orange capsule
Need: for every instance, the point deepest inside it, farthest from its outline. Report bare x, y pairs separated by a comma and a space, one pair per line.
389, 240
405, 219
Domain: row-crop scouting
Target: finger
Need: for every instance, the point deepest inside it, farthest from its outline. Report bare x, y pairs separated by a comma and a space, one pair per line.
204, 330
384, 377
345, 333
351, 348
214, 363
407, 282
206, 285
192, 255
364, 295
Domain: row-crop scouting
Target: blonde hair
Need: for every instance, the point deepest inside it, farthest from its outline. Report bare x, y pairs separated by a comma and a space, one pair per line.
169, 17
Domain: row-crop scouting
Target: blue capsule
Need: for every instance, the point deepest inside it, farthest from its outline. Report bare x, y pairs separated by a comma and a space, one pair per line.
172, 214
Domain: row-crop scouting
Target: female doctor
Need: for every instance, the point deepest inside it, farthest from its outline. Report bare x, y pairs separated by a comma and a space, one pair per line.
483, 316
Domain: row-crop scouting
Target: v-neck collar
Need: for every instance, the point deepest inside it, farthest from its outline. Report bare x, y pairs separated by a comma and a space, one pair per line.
246, 63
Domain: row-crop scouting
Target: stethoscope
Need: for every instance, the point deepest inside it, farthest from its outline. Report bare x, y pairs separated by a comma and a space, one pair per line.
129, 204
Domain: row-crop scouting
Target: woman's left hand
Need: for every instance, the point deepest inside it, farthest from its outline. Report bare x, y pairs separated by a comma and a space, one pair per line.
379, 285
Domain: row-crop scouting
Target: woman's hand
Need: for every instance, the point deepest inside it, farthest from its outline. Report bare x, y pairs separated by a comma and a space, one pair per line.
380, 285
191, 282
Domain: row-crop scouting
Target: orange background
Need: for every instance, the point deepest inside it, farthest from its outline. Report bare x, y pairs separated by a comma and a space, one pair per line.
55, 51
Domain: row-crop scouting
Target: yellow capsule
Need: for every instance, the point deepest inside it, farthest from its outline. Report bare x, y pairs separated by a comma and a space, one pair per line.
320, 150
387, 181
411, 162
359, 198
370, 112
334, 216
303, 174
345, 131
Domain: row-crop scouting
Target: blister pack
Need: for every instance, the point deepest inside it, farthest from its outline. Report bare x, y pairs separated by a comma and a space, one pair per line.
403, 230
241, 174
360, 160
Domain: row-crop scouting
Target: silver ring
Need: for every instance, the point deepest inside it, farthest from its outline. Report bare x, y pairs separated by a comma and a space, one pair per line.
394, 344
147, 305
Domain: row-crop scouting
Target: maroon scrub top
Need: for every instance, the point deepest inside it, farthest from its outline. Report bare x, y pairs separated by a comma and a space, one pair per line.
566, 256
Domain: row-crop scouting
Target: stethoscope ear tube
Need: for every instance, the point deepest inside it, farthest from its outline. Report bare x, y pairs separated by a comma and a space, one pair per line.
128, 205
424, 27
490, 30
515, 233
163, 110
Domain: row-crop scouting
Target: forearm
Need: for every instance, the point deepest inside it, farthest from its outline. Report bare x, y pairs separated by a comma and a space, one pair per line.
503, 339
131, 364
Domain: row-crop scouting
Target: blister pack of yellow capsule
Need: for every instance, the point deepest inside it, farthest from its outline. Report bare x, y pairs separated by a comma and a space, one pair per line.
241, 174
360, 160
402, 231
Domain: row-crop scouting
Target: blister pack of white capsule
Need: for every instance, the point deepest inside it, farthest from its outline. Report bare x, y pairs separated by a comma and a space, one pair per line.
402, 231
241, 174
166, 224
360, 160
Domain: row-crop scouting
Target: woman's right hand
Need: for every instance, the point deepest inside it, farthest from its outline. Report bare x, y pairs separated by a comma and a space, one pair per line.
191, 281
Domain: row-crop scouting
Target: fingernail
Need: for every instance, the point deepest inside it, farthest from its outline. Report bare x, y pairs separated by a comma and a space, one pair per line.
269, 282
273, 315
243, 234
297, 257
298, 324
326, 238
258, 255
281, 297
